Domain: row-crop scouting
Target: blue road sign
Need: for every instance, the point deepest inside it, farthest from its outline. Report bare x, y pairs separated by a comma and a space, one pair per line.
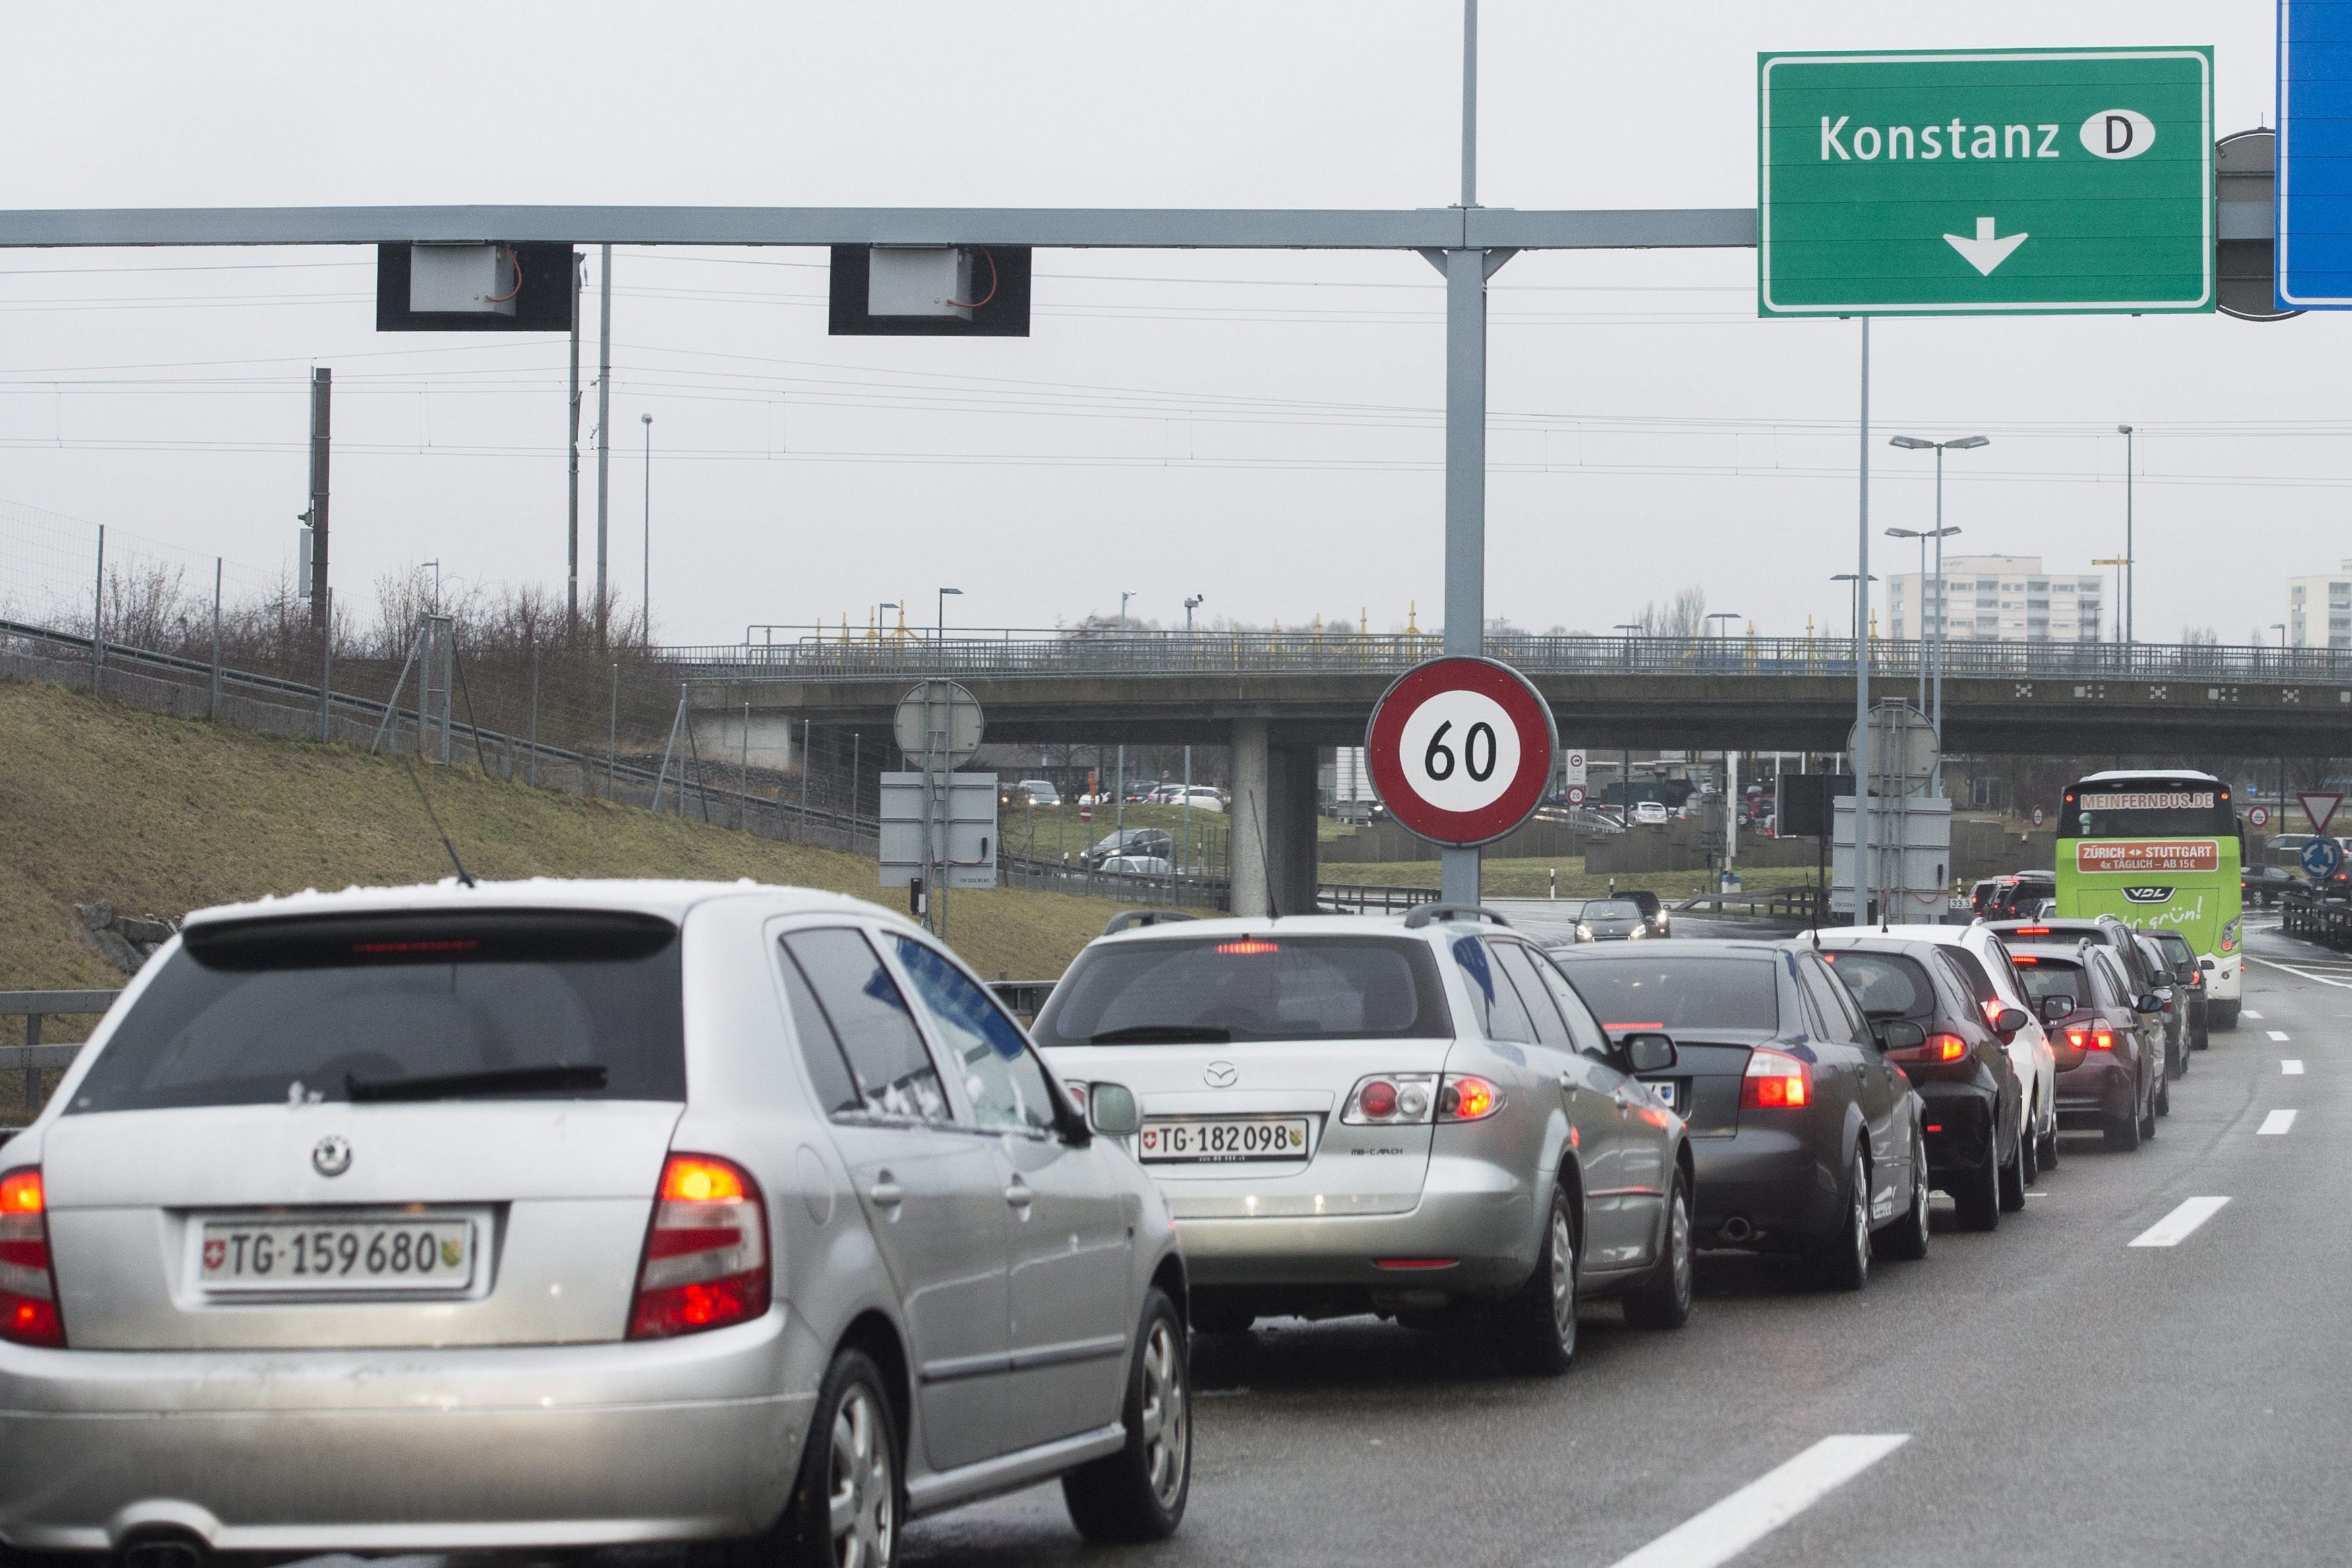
2321, 857
2314, 154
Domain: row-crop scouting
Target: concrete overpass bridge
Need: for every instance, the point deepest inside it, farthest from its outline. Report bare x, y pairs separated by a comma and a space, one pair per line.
1276, 698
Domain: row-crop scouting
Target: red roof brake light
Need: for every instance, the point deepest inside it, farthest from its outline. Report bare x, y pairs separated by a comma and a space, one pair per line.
706, 1258
1250, 945
29, 1279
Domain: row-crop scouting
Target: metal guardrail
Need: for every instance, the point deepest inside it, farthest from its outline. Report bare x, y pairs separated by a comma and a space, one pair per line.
1781, 903
2321, 920
32, 1057
817, 655
1362, 898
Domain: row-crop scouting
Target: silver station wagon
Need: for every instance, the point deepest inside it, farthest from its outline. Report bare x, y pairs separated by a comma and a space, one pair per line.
547, 1214
1412, 1116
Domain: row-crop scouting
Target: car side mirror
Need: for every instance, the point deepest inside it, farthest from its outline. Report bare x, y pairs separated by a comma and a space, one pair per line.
1112, 1112
2150, 1003
2009, 1021
2057, 1008
1900, 1034
1648, 1052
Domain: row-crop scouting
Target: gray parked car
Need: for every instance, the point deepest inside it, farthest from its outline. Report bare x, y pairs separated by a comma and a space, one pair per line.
557, 1215
1411, 1115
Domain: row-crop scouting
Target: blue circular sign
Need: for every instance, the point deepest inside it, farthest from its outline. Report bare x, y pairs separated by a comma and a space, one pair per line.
2321, 857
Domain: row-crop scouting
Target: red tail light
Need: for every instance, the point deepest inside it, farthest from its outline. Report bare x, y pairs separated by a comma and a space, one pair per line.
1464, 1098
1939, 1047
1775, 1080
2091, 1039
29, 1279
2030, 931
705, 1262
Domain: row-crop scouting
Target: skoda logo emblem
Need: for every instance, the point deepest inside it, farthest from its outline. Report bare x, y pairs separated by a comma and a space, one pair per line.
332, 1156
1221, 1074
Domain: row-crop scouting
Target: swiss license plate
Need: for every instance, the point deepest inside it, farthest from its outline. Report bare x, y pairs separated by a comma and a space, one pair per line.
1218, 1138
1667, 1090
402, 1253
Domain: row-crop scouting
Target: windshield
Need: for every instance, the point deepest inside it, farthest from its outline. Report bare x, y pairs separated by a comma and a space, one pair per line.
1213, 991
511, 1003
1888, 985
1678, 993
1612, 909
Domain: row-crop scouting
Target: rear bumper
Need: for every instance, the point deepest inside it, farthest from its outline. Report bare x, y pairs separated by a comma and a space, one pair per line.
1770, 1179
2105, 1088
1472, 1211
403, 1449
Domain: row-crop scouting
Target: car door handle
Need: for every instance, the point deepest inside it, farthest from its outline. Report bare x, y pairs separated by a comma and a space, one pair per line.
886, 1192
1018, 1195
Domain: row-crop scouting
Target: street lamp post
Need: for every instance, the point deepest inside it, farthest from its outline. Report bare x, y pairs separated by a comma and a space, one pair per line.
942, 635
1860, 756
1190, 604
1960, 443
1625, 776
647, 612
1118, 780
2130, 567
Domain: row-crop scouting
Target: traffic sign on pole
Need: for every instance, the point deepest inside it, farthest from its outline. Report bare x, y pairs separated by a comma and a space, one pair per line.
2321, 857
1461, 749
1985, 182
2314, 149
2260, 817
1576, 794
2320, 807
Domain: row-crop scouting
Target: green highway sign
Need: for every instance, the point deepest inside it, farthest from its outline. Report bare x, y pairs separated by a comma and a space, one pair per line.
1985, 182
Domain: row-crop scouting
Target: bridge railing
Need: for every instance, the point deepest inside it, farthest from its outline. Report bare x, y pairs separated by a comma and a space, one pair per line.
1011, 652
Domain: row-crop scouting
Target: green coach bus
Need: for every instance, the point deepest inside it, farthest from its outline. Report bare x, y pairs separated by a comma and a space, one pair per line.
2159, 849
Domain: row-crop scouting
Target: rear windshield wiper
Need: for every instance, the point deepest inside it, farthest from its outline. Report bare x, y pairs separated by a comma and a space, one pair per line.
1162, 1034
489, 1082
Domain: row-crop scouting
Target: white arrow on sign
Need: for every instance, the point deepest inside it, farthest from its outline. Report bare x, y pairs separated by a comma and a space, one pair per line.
1984, 253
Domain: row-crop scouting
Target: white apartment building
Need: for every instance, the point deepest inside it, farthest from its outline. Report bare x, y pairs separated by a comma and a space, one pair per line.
2319, 610
1998, 598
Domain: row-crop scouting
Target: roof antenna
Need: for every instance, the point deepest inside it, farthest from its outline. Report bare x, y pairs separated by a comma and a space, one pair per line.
465, 877
1273, 909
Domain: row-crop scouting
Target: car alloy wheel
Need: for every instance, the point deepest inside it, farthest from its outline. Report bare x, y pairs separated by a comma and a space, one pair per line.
1167, 1417
864, 1483
1846, 1263
1564, 1278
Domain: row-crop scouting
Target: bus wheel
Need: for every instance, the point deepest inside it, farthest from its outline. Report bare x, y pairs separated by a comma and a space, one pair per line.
2219, 1014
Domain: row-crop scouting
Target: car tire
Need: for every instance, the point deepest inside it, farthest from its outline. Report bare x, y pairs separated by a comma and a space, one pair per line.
1845, 1256
1907, 1237
2123, 1132
2148, 1113
2162, 1102
2049, 1142
1977, 1194
1538, 1322
1139, 1493
2201, 1037
1663, 1300
854, 1447
2013, 1179
2221, 1015
2029, 1146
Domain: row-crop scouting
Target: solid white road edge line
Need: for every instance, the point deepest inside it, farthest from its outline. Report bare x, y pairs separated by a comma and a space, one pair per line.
2291, 1067
2274, 1123
2291, 969
2275, 1033
2174, 1228
1766, 1503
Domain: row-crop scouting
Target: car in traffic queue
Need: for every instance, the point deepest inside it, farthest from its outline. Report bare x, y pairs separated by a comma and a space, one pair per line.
553, 1214
1662, 922
2265, 885
2142, 984
2174, 952
2110, 1058
2164, 975
1807, 1140
1612, 920
1034, 792
1973, 1104
1982, 959
1409, 1115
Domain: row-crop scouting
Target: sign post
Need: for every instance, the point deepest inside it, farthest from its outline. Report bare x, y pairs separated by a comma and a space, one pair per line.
1985, 182
1461, 751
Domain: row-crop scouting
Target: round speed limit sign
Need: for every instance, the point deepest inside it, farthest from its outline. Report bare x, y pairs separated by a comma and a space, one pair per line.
2260, 817
1576, 794
1461, 749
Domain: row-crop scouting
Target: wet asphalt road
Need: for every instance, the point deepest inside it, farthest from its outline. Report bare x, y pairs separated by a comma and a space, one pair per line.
2064, 1396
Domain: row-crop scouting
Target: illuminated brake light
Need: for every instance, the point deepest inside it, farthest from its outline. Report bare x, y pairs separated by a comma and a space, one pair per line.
1250, 945
28, 1280
1775, 1080
706, 1257
1464, 1098
2091, 1039
2030, 931
1938, 1047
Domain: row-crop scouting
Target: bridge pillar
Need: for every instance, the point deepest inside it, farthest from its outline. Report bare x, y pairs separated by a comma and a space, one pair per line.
1273, 827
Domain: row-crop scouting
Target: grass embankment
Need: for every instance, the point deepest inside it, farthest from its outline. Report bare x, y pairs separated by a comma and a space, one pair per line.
160, 815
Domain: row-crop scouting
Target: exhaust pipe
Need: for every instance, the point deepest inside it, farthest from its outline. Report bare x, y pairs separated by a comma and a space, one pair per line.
165, 1549
1734, 1229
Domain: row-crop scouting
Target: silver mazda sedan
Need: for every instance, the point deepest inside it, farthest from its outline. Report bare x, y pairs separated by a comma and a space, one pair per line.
563, 1214
1412, 1116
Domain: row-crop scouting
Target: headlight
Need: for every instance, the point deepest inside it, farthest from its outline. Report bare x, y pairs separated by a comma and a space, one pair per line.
1635, 934
1583, 932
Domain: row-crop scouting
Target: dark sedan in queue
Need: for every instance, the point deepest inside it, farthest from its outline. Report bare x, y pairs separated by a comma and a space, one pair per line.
1807, 1140
1926, 1013
2110, 1059
1612, 920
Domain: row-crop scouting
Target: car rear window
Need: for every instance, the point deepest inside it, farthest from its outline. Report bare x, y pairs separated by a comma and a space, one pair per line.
1888, 985
1213, 990
2046, 977
1678, 993
540, 1003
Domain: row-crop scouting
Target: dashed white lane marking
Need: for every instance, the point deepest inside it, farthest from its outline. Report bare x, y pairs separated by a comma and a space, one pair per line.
1766, 1503
2291, 1066
2174, 1228
2276, 1123
2275, 1033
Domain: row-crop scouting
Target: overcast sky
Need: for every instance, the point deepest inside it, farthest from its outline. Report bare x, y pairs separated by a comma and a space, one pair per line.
1261, 428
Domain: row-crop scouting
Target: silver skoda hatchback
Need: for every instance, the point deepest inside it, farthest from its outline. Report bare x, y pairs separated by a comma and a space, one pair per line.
563, 1214
1412, 1116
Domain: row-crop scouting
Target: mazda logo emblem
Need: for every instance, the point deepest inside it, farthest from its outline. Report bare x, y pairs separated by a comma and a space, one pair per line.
1221, 1074
332, 1155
